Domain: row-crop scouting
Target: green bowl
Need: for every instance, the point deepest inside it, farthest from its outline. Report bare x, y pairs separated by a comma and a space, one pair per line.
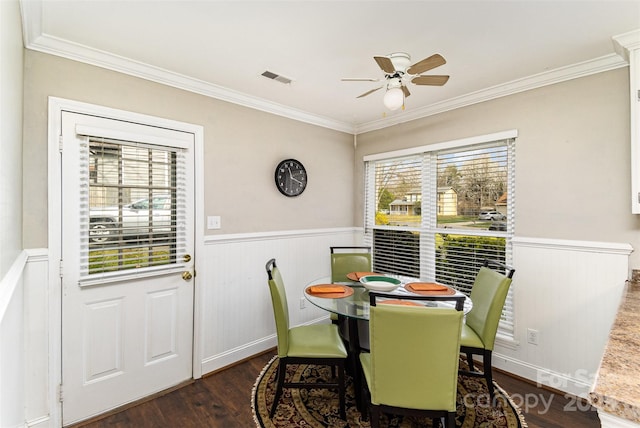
379, 283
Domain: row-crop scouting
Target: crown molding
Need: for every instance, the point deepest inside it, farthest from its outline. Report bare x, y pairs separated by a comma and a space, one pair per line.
35, 39
63, 48
627, 42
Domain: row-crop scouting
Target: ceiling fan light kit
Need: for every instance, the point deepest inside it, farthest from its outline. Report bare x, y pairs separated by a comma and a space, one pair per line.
393, 98
397, 69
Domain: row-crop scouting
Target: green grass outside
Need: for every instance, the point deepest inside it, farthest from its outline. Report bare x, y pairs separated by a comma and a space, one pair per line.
455, 218
471, 221
128, 258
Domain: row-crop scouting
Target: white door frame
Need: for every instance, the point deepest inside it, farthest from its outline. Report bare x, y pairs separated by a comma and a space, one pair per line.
54, 207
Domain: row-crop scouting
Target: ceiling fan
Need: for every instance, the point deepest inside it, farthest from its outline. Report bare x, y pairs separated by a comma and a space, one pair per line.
398, 70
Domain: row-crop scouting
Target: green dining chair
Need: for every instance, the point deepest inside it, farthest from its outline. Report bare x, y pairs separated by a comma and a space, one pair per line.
488, 295
345, 260
412, 368
318, 344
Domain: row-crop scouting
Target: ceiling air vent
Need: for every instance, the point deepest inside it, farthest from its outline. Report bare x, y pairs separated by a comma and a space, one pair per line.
276, 77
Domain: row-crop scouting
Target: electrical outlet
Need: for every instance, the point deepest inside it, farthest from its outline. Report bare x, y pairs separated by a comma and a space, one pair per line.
532, 336
213, 222
303, 303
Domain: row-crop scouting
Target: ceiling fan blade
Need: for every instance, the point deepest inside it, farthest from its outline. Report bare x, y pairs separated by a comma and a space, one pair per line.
369, 92
406, 91
430, 80
359, 79
427, 64
385, 64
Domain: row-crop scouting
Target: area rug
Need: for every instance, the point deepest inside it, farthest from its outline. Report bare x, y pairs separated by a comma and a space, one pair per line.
318, 408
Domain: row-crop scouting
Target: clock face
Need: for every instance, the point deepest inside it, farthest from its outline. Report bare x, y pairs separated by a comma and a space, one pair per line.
291, 177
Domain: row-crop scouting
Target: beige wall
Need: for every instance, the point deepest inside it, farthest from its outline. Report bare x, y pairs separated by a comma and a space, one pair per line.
11, 52
242, 147
573, 165
572, 156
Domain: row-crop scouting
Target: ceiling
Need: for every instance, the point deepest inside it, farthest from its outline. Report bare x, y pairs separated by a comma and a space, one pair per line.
221, 48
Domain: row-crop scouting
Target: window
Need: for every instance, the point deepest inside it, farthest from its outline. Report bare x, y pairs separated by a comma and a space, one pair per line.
132, 194
437, 212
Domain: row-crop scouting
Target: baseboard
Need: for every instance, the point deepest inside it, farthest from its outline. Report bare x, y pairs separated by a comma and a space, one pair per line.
41, 422
578, 386
233, 356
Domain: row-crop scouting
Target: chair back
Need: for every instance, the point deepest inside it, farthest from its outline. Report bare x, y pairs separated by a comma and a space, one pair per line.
456, 299
345, 260
280, 306
414, 356
488, 295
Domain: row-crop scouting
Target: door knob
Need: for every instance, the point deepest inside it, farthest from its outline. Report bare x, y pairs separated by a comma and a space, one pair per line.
186, 275
186, 258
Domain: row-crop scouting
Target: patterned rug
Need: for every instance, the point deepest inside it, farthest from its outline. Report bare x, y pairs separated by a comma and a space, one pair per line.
318, 408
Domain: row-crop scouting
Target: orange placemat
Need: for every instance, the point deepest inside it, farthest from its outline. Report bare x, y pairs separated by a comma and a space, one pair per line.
400, 302
355, 276
329, 291
429, 289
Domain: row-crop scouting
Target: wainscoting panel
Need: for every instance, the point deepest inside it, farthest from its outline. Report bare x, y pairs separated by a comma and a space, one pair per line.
12, 352
569, 292
25, 365
41, 408
237, 317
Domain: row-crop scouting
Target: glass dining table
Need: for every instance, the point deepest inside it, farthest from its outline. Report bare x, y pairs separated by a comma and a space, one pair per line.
355, 305
352, 307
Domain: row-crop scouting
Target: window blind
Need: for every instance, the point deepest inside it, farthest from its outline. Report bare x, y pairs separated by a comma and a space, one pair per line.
397, 201
439, 214
132, 208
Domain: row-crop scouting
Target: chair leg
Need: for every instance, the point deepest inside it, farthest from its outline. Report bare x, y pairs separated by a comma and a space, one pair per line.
341, 390
488, 374
358, 390
362, 394
470, 362
282, 370
375, 416
451, 420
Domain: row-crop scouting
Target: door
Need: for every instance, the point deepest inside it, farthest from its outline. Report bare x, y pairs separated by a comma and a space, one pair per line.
127, 262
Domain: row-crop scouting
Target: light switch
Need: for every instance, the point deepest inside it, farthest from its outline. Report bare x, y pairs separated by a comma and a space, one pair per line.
213, 222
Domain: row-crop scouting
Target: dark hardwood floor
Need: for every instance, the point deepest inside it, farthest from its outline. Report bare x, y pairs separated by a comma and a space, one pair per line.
223, 400
547, 409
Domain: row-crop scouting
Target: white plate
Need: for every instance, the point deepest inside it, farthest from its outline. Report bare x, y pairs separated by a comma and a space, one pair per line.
379, 283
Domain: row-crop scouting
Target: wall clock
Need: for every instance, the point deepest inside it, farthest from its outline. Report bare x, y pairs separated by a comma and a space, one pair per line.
291, 177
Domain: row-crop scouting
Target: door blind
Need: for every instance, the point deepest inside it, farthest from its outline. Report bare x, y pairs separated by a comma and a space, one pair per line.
132, 208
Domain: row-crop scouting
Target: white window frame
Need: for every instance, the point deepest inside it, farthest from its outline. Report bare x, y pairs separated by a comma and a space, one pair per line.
428, 228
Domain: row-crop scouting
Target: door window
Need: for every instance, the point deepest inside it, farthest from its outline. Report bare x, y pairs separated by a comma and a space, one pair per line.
134, 215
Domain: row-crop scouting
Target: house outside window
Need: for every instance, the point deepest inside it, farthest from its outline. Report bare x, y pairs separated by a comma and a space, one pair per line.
437, 212
447, 201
